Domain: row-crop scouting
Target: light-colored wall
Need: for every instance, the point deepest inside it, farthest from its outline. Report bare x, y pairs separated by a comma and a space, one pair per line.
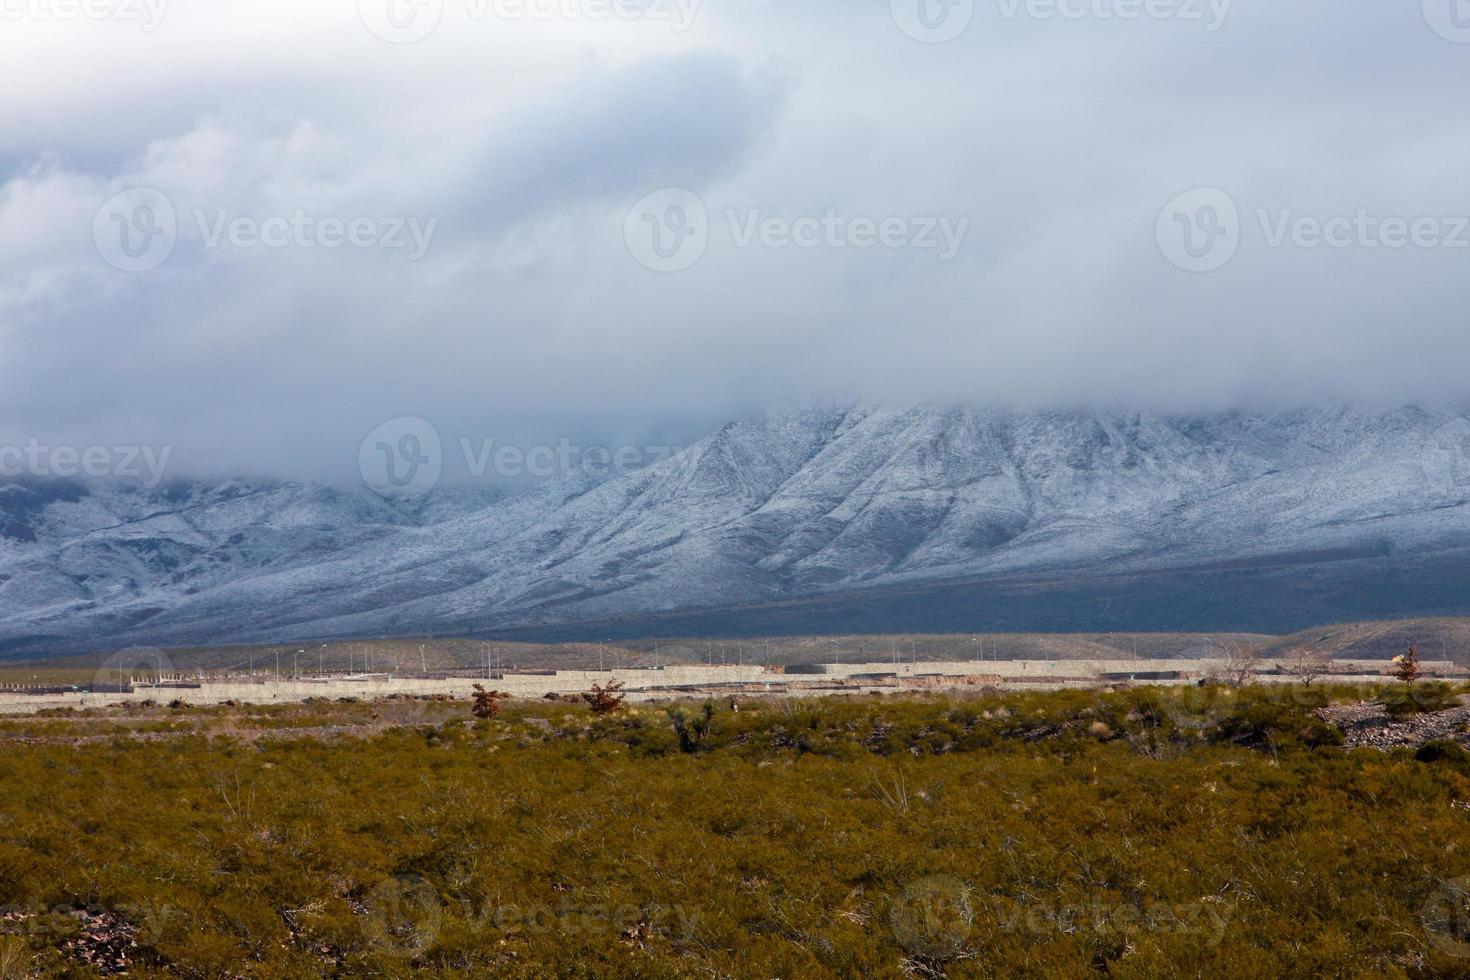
1013, 674
1091, 669
518, 685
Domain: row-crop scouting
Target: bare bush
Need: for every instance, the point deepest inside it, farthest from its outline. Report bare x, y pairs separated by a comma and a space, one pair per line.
1308, 665
1236, 665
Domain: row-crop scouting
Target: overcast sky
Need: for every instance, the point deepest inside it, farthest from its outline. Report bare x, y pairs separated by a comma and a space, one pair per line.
996, 217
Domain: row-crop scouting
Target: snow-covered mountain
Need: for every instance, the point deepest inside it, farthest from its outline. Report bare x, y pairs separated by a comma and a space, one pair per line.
830, 519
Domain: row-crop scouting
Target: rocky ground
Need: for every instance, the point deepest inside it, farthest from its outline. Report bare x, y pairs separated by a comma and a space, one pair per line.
98, 940
1368, 724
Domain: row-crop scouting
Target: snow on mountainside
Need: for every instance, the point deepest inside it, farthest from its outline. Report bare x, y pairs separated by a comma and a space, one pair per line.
816, 503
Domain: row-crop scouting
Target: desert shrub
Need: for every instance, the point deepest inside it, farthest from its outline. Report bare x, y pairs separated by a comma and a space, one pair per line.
1423, 698
1259, 716
996, 836
1443, 750
606, 700
693, 729
486, 704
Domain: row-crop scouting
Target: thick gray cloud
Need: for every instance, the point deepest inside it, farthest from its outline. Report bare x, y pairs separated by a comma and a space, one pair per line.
1051, 142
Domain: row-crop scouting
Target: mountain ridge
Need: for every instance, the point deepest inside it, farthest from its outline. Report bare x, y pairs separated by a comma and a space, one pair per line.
778, 511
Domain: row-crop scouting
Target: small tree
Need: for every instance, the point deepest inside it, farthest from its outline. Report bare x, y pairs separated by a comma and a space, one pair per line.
1307, 664
606, 700
1406, 666
487, 703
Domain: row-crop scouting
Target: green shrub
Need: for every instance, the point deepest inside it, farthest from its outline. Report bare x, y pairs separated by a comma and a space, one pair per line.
1002, 835
1443, 750
1425, 698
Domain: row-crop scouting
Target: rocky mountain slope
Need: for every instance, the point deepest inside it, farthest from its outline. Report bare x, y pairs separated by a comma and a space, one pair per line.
837, 519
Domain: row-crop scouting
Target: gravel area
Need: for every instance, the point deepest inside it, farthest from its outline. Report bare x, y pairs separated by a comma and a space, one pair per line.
1366, 724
